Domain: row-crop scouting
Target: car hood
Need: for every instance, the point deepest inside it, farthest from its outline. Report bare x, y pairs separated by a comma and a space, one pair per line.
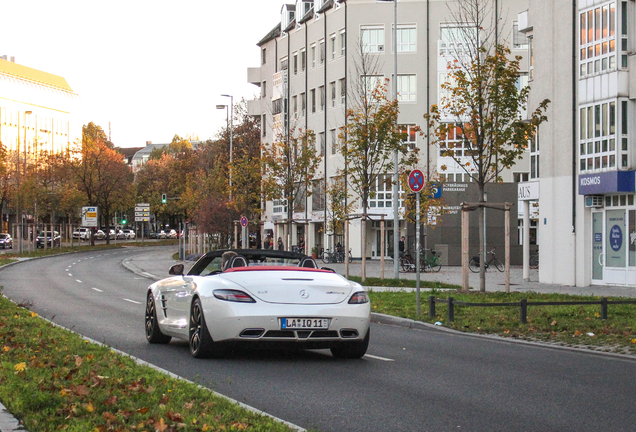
294, 287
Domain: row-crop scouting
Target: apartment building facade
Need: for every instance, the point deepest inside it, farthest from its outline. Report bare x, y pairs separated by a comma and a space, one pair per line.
583, 61
35, 109
306, 75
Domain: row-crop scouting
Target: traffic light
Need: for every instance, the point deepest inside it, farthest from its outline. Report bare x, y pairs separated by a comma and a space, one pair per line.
123, 220
164, 198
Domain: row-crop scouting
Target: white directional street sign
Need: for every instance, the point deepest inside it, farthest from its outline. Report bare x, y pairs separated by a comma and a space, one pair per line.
89, 217
142, 212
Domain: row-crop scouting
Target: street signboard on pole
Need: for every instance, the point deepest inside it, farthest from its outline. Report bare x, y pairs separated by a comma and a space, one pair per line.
90, 216
142, 212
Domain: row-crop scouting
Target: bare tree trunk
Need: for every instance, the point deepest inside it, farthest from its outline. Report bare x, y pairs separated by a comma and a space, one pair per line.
482, 261
363, 227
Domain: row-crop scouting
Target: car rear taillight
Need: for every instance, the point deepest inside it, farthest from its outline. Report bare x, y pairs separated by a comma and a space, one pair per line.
359, 298
233, 295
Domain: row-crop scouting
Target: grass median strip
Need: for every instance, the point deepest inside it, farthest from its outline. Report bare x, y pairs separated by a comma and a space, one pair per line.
53, 379
570, 325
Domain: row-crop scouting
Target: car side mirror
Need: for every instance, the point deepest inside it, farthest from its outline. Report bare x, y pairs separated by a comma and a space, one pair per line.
176, 269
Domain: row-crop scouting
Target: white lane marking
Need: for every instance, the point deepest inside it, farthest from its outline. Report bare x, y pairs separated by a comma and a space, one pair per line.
70, 275
379, 358
132, 301
97, 289
78, 281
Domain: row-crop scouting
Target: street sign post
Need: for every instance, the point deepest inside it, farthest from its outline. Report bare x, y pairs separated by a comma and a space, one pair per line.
416, 183
244, 239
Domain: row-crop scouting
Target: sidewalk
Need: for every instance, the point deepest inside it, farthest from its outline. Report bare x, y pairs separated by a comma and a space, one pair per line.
156, 264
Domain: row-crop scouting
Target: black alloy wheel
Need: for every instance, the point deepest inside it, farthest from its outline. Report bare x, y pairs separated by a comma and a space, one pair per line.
200, 341
153, 333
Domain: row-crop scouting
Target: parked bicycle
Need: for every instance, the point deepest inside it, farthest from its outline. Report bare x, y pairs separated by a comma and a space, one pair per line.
474, 262
427, 264
432, 263
337, 256
407, 263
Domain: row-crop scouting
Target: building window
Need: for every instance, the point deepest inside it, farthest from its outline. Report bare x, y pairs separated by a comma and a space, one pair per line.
597, 51
407, 88
333, 46
295, 63
382, 192
456, 39
454, 144
322, 51
520, 177
534, 155
284, 64
295, 106
312, 96
334, 141
318, 195
411, 134
343, 90
332, 88
519, 40
264, 125
303, 60
406, 39
372, 39
531, 58
371, 83
264, 89
263, 55
597, 142
280, 206
321, 90
303, 104
313, 56
343, 43
321, 144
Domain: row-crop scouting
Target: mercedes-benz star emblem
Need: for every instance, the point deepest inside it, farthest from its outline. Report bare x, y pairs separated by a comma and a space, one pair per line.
304, 294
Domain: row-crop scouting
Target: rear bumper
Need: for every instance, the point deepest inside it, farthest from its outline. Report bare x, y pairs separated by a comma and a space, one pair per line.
228, 321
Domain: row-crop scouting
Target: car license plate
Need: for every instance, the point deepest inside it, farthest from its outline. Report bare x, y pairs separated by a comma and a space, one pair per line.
304, 323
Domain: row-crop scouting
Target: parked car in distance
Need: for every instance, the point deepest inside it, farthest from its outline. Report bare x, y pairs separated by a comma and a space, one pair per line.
172, 234
162, 235
111, 234
153, 235
100, 235
52, 239
130, 234
121, 235
82, 233
6, 241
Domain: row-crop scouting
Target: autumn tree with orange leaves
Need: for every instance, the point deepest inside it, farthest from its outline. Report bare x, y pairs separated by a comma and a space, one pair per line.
481, 105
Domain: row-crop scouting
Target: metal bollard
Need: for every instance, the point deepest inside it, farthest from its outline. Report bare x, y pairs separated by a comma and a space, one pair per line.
524, 311
604, 308
431, 306
451, 310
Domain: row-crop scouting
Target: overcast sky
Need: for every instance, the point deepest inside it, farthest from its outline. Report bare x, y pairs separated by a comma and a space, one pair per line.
152, 69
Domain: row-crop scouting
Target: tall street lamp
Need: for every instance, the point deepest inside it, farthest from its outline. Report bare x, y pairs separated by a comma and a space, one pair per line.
17, 147
231, 133
227, 126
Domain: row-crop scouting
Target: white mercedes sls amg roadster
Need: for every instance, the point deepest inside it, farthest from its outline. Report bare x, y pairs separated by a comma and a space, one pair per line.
254, 296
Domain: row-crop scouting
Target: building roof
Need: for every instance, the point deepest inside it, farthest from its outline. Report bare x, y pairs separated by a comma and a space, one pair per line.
27, 73
273, 34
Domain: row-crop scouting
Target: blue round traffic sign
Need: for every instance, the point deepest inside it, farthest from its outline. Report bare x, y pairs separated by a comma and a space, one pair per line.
416, 180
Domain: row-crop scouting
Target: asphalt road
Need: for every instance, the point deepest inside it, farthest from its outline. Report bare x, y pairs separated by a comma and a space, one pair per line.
411, 380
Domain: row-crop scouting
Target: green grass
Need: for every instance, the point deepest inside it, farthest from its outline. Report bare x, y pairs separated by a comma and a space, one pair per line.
402, 283
565, 325
53, 379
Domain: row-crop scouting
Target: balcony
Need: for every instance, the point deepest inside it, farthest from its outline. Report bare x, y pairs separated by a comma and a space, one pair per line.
254, 76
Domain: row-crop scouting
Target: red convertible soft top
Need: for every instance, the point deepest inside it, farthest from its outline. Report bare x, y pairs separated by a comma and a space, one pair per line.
275, 268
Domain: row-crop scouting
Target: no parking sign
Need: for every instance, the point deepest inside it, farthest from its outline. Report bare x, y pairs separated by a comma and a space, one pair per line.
416, 180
